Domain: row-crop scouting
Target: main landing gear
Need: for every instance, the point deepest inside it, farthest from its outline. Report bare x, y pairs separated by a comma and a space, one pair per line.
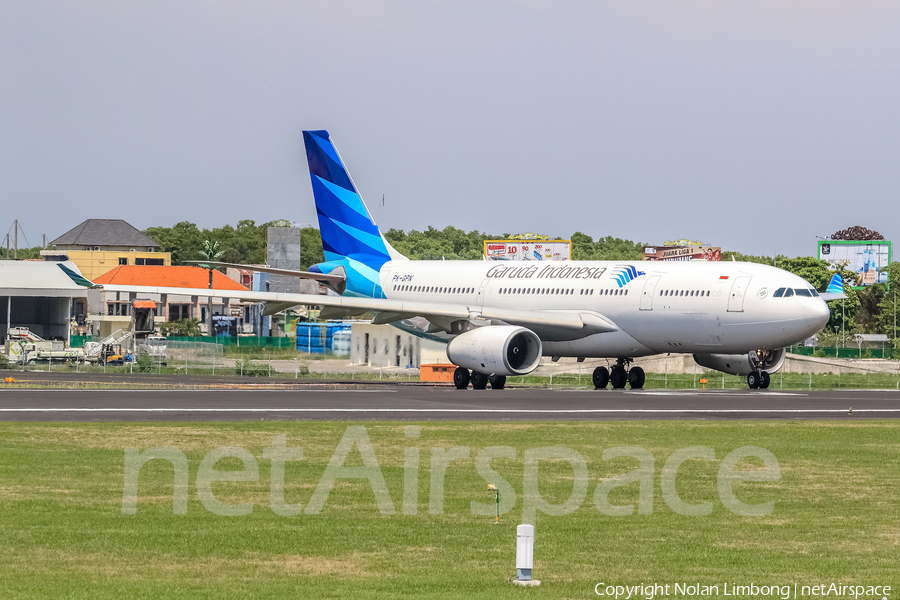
619, 376
480, 381
757, 378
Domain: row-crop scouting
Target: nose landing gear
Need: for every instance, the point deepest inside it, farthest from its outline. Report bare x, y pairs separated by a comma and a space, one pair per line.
619, 376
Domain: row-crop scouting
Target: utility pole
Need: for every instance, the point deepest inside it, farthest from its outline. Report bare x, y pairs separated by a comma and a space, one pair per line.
16, 223
843, 331
209, 319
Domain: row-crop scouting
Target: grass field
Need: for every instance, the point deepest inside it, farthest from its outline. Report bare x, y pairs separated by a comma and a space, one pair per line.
836, 515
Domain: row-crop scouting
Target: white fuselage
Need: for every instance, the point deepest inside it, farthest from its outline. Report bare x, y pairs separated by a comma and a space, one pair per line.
658, 307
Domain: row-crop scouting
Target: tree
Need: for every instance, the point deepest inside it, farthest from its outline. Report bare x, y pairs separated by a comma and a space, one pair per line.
888, 304
210, 251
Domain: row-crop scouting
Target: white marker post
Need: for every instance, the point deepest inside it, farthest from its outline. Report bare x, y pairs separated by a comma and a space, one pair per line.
525, 555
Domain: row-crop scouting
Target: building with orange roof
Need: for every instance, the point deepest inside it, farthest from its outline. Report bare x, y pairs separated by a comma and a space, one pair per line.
109, 311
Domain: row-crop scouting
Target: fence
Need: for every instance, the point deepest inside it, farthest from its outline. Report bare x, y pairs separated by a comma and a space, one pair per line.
78, 341
848, 352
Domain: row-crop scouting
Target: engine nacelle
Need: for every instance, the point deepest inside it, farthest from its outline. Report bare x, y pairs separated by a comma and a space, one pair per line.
740, 364
496, 350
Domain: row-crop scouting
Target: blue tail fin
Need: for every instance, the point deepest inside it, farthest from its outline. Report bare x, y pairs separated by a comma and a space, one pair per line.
347, 227
350, 238
836, 285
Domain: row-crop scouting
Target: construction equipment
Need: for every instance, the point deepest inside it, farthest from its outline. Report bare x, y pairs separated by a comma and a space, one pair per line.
108, 350
23, 346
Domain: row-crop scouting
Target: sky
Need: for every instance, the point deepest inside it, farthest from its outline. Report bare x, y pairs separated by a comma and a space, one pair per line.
758, 126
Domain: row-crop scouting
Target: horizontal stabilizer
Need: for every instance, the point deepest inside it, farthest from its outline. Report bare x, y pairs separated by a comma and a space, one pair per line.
265, 269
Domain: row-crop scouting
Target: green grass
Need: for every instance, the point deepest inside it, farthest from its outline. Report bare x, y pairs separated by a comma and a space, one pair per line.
64, 534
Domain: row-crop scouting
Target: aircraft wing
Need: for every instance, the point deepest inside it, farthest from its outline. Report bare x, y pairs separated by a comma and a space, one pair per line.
584, 322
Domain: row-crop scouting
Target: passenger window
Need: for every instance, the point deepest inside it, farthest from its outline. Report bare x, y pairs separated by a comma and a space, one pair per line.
778, 293
788, 293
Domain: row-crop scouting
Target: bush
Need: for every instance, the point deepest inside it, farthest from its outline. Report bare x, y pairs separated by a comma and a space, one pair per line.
144, 363
251, 368
4, 362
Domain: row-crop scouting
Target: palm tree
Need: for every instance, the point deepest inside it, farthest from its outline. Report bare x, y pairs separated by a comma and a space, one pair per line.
211, 250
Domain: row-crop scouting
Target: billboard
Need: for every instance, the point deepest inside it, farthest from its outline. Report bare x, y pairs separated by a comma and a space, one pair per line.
863, 257
682, 253
528, 249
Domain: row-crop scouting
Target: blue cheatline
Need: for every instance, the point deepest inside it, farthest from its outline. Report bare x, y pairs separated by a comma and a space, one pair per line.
350, 238
836, 285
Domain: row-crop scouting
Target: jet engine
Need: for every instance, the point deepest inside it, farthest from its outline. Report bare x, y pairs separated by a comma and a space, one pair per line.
496, 350
742, 364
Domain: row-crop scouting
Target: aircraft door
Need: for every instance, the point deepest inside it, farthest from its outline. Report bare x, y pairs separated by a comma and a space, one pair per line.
738, 291
649, 292
482, 291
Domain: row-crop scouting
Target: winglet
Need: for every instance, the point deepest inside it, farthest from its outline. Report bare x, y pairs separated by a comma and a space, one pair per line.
77, 277
836, 285
835, 289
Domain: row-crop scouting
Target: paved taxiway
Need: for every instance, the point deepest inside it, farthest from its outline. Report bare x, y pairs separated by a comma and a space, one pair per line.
422, 402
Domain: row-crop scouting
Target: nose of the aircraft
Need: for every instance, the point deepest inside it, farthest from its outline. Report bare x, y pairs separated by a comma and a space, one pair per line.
817, 314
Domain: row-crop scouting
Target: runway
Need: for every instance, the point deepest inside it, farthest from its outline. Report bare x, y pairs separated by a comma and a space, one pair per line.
403, 402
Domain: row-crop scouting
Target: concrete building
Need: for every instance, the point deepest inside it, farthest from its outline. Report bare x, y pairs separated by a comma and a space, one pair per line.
40, 296
384, 346
109, 311
97, 246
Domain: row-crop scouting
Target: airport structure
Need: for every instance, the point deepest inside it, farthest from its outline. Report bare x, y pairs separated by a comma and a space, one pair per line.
39, 296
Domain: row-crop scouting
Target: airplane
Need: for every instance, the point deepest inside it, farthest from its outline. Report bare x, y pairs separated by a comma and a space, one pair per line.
499, 318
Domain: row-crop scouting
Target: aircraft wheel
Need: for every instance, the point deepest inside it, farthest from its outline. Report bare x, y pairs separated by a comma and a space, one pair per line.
753, 380
618, 377
601, 378
461, 378
498, 382
765, 378
479, 380
636, 378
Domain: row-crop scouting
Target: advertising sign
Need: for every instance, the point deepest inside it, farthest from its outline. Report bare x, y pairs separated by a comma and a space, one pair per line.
865, 258
527, 249
682, 253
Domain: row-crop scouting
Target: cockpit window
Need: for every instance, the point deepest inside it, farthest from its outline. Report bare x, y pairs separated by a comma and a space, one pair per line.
788, 293
802, 292
814, 293
778, 293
